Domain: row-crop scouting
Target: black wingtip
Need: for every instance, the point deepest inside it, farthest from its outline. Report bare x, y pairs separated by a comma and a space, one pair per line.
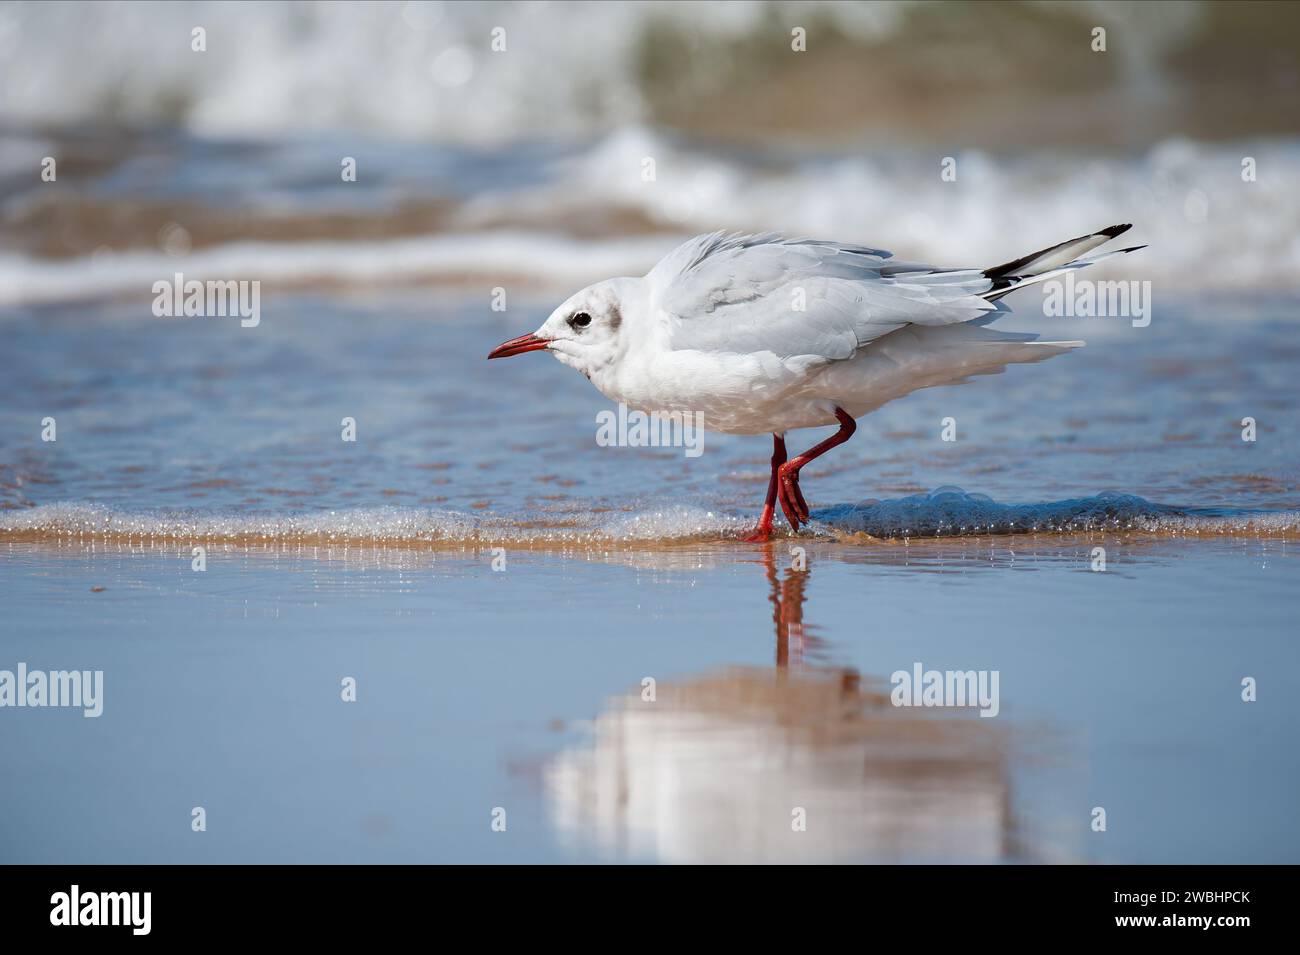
1113, 230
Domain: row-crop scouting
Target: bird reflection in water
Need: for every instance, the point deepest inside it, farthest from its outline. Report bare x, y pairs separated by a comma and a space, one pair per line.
722, 767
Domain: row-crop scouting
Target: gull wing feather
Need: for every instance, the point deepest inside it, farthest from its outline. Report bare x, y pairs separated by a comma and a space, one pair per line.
801, 298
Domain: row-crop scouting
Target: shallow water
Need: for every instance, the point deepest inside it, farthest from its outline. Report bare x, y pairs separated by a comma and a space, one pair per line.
522, 689
178, 428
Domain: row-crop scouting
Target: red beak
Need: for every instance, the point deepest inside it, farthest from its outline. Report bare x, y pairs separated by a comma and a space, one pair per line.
517, 346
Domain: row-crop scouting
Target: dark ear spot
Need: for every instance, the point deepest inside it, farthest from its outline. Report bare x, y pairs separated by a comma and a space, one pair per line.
615, 317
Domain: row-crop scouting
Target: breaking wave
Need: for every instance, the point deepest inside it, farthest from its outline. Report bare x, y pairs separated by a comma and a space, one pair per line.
944, 513
1204, 231
952, 512
429, 69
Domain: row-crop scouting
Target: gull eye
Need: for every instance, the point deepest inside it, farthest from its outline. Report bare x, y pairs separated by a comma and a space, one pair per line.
580, 320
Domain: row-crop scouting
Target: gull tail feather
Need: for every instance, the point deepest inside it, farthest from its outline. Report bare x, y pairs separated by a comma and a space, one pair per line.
1053, 261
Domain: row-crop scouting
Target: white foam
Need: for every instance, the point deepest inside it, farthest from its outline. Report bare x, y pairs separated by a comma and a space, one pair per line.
412, 69
543, 258
946, 512
1205, 229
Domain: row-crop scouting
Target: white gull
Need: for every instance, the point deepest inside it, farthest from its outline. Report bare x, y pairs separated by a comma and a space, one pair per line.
759, 333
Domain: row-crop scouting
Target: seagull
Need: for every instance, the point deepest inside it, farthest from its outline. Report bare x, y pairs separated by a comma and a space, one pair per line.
763, 334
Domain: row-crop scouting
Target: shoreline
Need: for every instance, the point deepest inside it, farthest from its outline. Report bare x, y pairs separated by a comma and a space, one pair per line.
485, 543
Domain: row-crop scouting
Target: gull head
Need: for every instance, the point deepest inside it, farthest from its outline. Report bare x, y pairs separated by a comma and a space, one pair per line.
586, 332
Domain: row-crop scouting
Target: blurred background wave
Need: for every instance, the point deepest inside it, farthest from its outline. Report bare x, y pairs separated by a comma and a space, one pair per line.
480, 166
923, 72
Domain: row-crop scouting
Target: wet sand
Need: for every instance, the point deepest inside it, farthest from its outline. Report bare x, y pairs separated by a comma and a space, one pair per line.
522, 688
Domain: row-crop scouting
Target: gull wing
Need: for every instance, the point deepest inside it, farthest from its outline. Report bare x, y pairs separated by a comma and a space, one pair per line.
801, 298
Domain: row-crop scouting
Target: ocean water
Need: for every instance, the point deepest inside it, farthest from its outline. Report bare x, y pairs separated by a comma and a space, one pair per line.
520, 687
570, 640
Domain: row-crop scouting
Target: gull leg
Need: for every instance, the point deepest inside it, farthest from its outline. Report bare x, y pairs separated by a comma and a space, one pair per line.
792, 502
764, 530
